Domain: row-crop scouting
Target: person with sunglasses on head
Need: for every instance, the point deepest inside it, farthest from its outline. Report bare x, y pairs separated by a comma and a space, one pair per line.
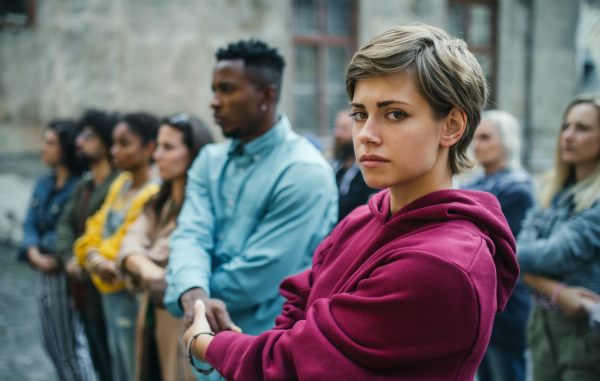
255, 208
134, 140
93, 145
50, 196
144, 250
406, 287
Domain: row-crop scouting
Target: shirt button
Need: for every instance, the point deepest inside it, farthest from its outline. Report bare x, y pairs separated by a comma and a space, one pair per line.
256, 157
55, 209
221, 236
230, 202
241, 170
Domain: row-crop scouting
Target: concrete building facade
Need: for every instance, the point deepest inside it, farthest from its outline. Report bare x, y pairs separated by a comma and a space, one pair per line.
158, 56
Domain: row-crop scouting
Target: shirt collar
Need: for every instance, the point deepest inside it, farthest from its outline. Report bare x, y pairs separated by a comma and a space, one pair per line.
264, 143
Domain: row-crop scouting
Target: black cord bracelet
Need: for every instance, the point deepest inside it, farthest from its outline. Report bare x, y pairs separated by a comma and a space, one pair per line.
191, 358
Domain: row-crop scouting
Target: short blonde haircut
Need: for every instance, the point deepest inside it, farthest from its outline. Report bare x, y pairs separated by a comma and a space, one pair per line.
445, 72
586, 192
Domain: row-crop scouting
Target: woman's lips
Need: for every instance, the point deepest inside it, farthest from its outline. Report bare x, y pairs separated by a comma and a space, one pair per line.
372, 161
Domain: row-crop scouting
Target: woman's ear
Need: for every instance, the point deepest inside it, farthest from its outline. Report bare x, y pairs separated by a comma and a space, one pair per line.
454, 127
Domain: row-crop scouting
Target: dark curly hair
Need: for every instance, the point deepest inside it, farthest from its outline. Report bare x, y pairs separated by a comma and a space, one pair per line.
67, 131
143, 125
267, 62
102, 123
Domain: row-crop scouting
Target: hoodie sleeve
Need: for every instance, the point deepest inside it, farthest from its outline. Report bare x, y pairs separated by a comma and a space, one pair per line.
296, 289
390, 322
572, 244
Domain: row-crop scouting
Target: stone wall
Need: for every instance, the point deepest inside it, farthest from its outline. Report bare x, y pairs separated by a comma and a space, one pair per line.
124, 55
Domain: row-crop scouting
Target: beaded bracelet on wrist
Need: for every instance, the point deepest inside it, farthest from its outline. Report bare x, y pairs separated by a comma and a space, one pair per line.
191, 358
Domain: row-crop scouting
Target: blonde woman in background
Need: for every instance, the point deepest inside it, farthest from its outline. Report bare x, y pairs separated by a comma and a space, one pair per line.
559, 252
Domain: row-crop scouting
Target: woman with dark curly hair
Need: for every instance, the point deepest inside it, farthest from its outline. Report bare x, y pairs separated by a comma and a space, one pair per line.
50, 196
144, 251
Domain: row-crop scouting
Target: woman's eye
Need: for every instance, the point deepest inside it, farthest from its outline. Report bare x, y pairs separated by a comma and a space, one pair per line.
357, 116
395, 115
582, 127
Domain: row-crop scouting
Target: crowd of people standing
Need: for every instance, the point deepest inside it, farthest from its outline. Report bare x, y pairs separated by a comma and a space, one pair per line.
164, 256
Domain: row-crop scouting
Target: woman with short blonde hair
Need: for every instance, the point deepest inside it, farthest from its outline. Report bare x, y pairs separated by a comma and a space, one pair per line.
406, 287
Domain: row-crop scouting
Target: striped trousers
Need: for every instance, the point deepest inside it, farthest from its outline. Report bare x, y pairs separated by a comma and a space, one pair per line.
63, 333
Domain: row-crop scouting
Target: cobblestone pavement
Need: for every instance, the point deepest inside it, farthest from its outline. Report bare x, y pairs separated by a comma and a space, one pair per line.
22, 357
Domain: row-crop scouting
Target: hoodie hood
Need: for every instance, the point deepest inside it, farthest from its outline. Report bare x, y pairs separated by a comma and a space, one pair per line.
480, 208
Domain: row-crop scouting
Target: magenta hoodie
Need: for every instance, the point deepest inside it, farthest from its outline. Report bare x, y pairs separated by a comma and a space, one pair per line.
411, 297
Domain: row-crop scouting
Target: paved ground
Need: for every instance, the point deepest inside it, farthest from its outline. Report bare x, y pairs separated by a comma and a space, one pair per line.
21, 355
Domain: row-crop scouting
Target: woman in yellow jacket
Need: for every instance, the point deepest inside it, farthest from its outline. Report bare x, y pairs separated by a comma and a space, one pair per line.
134, 141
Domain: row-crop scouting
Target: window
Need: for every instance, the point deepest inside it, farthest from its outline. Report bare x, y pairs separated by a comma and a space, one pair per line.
324, 42
16, 13
475, 21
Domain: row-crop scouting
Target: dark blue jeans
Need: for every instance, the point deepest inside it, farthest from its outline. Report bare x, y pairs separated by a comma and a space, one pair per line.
502, 364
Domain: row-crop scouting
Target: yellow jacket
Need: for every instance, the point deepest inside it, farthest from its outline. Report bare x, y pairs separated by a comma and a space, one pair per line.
109, 247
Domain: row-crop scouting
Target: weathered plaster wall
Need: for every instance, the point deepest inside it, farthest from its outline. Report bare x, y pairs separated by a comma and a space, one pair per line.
125, 55
375, 17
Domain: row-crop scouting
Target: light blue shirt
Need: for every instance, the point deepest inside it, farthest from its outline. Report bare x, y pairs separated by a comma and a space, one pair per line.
253, 215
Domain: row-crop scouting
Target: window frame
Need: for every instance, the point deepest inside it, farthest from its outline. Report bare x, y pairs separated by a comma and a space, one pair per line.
31, 8
322, 41
492, 49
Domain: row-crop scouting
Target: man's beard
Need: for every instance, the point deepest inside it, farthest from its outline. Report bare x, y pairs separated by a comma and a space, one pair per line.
88, 160
233, 134
343, 150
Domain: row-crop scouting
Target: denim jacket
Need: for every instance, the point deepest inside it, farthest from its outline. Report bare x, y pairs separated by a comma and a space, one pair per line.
562, 244
46, 206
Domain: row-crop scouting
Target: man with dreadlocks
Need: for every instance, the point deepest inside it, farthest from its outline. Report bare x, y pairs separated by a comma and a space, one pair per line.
256, 206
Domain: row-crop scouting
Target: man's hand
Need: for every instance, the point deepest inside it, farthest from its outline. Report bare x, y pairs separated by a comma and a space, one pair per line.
570, 300
216, 310
157, 290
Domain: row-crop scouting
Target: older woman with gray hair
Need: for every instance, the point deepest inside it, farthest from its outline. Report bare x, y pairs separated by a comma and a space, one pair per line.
497, 147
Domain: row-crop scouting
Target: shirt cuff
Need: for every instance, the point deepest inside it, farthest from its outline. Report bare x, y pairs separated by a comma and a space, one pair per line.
176, 288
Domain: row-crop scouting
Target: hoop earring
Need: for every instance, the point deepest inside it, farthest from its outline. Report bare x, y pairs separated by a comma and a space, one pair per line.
263, 107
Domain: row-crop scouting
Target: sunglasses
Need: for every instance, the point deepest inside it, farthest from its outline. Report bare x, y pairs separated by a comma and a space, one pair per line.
86, 134
181, 120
